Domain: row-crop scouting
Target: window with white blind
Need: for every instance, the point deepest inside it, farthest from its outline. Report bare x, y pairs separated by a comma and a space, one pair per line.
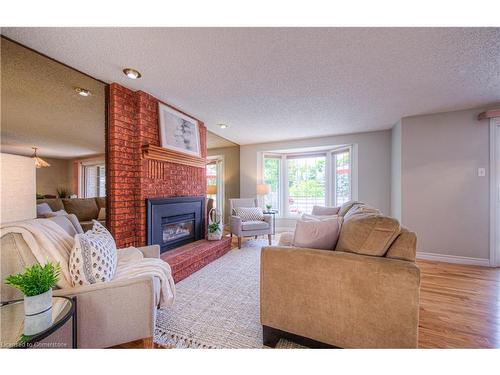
299, 181
93, 180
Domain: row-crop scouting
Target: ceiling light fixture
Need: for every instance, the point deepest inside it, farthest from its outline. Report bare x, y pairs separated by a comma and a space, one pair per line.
39, 162
223, 126
82, 92
132, 73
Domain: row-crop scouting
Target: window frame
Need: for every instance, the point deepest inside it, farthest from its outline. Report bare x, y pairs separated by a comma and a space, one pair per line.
330, 180
219, 178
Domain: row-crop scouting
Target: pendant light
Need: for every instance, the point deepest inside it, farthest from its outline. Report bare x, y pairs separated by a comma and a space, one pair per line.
39, 162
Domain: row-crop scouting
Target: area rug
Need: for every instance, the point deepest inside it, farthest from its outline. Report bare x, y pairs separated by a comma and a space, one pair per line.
218, 306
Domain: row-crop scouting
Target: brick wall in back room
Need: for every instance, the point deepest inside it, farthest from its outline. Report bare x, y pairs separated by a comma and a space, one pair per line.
132, 123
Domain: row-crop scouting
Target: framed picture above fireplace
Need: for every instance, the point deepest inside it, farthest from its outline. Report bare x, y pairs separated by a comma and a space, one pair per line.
178, 132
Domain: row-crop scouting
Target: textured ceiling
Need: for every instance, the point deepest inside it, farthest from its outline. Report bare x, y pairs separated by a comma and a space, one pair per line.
283, 83
40, 107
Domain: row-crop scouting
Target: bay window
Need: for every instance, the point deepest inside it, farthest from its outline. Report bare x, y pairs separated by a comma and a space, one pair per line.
299, 181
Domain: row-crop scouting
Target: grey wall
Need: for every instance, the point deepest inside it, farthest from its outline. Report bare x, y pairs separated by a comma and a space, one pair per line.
442, 198
59, 174
396, 171
374, 165
231, 174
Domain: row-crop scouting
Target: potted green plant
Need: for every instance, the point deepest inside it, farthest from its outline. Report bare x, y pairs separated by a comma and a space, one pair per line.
214, 225
36, 283
269, 206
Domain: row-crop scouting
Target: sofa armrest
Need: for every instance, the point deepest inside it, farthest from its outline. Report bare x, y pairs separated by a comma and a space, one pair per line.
343, 299
268, 219
113, 313
151, 251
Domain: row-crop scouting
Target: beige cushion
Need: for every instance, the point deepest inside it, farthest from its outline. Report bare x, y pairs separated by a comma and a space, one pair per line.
323, 211
53, 213
404, 247
102, 214
85, 209
317, 234
368, 234
254, 225
308, 217
347, 206
101, 202
55, 204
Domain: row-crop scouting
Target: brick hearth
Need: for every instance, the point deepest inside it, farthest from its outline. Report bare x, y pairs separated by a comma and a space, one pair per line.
189, 258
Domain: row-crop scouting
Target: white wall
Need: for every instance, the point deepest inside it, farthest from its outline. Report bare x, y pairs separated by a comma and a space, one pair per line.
442, 198
374, 166
396, 171
18, 198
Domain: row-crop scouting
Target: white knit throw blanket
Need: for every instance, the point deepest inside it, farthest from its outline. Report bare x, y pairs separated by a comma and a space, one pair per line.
48, 243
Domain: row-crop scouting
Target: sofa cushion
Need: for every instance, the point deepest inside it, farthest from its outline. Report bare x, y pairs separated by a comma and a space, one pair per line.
249, 213
101, 202
347, 206
43, 209
321, 234
85, 209
368, 234
55, 204
67, 223
254, 225
54, 213
310, 217
325, 211
404, 247
93, 258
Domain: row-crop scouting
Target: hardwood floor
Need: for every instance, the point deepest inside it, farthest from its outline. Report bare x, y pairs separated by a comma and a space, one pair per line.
459, 306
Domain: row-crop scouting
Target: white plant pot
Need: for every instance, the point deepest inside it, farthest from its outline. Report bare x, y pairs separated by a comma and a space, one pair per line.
37, 304
215, 236
37, 323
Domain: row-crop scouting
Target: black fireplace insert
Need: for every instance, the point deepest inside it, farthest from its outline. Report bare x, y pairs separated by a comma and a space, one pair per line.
173, 222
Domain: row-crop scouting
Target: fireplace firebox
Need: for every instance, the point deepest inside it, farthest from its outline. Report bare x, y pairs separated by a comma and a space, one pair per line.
173, 222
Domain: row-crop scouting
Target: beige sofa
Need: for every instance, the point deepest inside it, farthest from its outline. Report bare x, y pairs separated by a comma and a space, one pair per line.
85, 209
363, 294
108, 314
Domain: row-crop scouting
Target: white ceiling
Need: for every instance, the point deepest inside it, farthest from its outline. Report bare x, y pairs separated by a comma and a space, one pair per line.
41, 109
272, 84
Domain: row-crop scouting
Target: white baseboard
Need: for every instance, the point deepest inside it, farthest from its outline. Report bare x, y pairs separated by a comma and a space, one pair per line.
453, 259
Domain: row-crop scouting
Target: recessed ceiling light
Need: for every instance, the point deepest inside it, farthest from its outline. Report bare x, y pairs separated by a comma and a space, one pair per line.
82, 92
223, 126
132, 73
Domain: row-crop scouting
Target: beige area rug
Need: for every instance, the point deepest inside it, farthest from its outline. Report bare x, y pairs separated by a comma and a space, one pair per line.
218, 306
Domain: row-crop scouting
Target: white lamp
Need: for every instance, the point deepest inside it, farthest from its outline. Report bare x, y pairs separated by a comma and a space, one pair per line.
262, 190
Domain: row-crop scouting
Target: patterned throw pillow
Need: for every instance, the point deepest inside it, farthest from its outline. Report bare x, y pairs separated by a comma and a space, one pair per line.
93, 258
249, 213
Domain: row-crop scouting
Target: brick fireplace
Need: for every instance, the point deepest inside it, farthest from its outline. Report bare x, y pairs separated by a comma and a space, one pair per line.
133, 180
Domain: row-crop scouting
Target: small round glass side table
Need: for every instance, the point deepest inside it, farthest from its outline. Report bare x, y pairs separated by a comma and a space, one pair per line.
13, 321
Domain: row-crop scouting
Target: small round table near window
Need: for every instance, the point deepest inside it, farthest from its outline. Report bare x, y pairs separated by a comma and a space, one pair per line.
47, 330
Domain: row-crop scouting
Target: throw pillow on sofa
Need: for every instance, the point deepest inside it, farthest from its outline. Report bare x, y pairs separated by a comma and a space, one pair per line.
54, 213
318, 234
249, 213
93, 258
325, 211
43, 209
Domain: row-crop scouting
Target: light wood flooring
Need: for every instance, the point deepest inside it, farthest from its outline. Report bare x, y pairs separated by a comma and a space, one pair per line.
459, 306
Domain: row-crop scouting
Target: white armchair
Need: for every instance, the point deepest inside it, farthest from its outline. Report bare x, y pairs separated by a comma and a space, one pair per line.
249, 228
110, 313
